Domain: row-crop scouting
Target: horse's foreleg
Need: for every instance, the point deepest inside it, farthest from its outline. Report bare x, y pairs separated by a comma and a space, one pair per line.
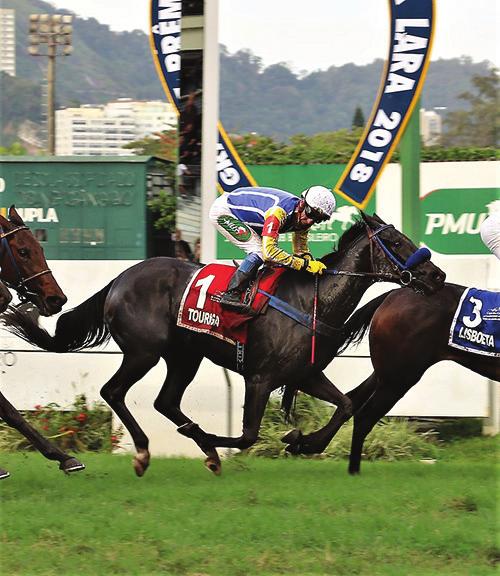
13, 418
314, 443
132, 369
376, 407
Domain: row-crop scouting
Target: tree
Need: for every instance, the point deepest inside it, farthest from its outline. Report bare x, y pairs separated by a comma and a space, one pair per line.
15, 149
479, 124
163, 207
358, 120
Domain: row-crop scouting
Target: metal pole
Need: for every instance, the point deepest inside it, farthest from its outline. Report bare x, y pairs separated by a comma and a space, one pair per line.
229, 407
410, 164
51, 81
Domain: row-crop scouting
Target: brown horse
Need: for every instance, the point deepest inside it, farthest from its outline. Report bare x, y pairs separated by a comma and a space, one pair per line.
139, 310
409, 334
23, 268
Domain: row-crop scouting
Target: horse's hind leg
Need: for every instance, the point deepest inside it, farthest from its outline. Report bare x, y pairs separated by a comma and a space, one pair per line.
132, 369
314, 443
257, 392
13, 418
180, 373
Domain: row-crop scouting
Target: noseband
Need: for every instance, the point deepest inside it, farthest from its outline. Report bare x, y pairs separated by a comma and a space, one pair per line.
21, 284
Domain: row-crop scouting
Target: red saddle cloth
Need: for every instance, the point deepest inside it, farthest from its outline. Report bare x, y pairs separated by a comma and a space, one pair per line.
201, 311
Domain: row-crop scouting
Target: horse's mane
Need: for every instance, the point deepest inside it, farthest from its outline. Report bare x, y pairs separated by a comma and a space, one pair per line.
345, 242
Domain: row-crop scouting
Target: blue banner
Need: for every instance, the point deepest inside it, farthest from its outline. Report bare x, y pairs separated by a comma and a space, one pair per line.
165, 42
412, 28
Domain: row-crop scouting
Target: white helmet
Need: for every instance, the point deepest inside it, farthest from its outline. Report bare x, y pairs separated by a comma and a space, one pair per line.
320, 203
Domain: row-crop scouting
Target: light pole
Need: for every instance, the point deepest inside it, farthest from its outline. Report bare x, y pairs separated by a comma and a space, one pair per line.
52, 30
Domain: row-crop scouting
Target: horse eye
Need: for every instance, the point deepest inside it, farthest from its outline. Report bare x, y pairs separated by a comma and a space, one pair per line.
24, 252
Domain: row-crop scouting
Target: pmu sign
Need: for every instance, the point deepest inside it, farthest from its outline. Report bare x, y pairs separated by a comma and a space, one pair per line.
412, 27
451, 219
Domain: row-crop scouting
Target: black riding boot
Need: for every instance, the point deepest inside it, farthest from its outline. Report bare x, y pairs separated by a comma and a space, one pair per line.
237, 285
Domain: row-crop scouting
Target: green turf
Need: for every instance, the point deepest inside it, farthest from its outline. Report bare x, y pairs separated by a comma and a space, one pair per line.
261, 517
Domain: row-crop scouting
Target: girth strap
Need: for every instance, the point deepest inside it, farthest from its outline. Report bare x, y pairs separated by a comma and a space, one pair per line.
300, 317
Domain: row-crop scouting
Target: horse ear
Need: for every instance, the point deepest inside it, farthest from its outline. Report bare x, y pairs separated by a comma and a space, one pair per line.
14, 216
4, 223
378, 219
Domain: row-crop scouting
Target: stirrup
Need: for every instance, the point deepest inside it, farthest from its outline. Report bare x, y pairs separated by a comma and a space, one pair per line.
237, 306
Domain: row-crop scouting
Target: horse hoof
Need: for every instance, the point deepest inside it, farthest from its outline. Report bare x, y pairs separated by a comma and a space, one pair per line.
141, 462
71, 465
292, 437
4, 474
214, 466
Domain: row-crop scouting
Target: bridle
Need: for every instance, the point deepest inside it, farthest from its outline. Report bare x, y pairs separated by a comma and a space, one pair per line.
20, 285
402, 270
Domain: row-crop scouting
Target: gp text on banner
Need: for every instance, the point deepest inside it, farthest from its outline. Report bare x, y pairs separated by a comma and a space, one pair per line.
412, 28
165, 40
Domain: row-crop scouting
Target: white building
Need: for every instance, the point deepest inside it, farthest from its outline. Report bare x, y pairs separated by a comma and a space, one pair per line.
431, 127
104, 130
8, 41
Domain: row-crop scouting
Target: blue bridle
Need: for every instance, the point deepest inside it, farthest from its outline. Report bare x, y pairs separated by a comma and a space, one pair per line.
420, 255
404, 268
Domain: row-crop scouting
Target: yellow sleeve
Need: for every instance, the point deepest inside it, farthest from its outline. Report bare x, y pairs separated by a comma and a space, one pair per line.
299, 242
273, 220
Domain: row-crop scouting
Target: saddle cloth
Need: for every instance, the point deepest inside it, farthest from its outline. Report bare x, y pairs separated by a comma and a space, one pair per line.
201, 311
476, 324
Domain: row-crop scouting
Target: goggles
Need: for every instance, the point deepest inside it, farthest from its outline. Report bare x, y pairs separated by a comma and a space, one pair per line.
315, 214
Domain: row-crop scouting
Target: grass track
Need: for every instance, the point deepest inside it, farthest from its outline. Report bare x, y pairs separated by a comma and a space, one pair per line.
261, 517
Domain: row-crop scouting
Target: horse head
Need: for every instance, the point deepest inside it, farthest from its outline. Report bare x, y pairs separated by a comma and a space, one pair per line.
395, 256
24, 268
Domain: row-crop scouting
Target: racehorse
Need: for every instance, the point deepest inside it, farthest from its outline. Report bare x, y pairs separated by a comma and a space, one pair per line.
140, 307
23, 267
409, 334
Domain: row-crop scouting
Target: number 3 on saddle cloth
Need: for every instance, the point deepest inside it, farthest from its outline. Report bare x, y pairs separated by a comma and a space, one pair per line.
201, 311
476, 324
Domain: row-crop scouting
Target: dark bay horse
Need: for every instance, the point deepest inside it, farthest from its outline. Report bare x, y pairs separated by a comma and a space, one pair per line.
408, 334
139, 310
24, 269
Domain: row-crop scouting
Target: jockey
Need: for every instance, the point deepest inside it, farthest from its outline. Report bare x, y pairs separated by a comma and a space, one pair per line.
252, 219
490, 233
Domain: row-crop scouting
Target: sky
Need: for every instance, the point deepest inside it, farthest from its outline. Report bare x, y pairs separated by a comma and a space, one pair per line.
315, 34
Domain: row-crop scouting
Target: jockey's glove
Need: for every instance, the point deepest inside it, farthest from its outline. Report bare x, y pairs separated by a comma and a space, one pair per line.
314, 266
307, 256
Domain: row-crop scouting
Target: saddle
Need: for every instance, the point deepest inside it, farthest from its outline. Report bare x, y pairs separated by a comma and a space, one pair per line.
200, 308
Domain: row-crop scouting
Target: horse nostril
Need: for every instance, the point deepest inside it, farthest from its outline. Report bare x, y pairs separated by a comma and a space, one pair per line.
56, 302
440, 276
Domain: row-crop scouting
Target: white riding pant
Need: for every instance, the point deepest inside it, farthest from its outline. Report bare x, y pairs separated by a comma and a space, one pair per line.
490, 233
228, 225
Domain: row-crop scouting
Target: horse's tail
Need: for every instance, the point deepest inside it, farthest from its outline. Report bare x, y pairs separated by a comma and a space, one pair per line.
356, 326
79, 328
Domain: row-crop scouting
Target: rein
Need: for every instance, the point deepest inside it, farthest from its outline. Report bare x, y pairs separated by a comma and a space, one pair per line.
21, 284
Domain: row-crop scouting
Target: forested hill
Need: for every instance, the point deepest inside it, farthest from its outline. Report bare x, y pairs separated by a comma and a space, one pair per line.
271, 101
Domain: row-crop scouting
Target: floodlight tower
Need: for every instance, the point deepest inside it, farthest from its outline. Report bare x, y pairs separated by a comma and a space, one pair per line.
55, 32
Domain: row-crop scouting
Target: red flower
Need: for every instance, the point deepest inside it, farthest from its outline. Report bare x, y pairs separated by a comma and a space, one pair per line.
114, 439
38, 407
81, 417
45, 427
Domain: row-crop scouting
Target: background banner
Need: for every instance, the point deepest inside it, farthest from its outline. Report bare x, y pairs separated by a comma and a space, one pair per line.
165, 40
412, 27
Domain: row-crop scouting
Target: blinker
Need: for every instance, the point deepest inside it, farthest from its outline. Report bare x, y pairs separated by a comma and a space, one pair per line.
419, 256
